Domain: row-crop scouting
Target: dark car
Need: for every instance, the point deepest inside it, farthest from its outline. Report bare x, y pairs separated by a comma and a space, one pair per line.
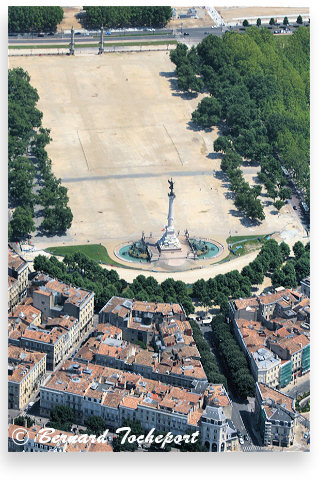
78, 33
50, 34
186, 33
295, 207
40, 34
239, 433
206, 33
246, 438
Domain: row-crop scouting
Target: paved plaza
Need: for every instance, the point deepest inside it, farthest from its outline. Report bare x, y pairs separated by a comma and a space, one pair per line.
120, 129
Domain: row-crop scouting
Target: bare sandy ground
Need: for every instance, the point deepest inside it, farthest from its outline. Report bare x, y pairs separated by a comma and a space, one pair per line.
70, 19
203, 20
120, 130
231, 14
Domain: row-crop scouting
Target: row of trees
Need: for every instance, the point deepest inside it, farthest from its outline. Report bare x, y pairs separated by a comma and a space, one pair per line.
208, 360
295, 269
33, 19
30, 178
233, 359
77, 269
272, 21
255, 85
220, 289
120, 17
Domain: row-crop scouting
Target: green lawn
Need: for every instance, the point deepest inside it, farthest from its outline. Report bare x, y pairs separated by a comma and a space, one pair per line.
94, 252
244, 237
96, 45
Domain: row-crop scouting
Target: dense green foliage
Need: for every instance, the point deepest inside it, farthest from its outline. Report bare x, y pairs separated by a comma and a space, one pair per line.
120, 17
295, 269
95, 425
33, 19
233, 359
21, 419
61, 418
208, 360
259, 96
77, 269
30, 178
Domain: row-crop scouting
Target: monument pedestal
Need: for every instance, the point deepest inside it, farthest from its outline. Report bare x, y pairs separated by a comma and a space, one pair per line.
169, 241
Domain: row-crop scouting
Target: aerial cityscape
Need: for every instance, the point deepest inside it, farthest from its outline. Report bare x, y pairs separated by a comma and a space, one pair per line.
158, 229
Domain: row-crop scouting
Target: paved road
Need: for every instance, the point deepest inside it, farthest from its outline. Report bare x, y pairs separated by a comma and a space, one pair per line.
189, 35
296, 390
241, 410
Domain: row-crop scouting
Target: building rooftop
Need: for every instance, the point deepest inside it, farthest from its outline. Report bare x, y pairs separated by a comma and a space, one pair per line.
15, 261
21, 362
278, 398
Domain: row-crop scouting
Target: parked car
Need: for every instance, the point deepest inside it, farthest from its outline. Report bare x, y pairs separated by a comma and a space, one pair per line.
239, 433
295, 207
40, 34
246, 438
306, 435
108, 33
241, 441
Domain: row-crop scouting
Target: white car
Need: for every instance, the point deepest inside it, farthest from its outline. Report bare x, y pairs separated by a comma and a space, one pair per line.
241, 441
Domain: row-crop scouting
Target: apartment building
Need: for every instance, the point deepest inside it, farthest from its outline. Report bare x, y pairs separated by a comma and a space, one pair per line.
178, 365
139, 320
274, 332
18, 272
305, 286
275, 416
116, 395
26, 371
55, 298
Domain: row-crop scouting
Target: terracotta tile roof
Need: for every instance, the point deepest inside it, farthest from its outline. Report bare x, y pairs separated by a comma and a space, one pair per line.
39, 335
15, 261
152, 307
21, 362
26, 312
242, 303
278, 397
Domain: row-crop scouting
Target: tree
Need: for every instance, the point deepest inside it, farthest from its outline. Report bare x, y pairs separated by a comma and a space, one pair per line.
298, 249
22, 223
285, 193
285, 250
278, 204
61, 418
222, 144
272, 21
245, 23
33, 19
20, 421
285, 21
258, 22
95, 425
299, 20
208, 112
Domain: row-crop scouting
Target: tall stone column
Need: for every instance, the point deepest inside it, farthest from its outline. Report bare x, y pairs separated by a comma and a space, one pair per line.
72, 41
169, 241
101, 47
170, 213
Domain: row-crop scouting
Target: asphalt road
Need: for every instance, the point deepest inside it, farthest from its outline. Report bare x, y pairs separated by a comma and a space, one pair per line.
192, 35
